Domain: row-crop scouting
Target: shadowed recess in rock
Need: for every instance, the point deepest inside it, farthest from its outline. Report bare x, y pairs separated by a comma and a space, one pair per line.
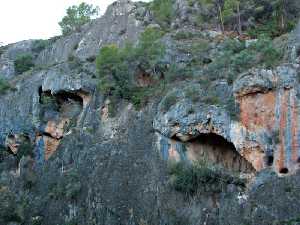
59, 112
217, 150
209, 147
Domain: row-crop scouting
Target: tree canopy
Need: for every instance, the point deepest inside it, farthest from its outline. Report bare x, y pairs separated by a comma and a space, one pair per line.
77, 16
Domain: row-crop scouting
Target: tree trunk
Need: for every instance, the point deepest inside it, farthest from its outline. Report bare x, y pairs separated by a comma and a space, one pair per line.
221, 18
239, 18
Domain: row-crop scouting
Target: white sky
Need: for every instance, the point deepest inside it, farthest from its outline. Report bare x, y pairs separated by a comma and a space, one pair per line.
36, 19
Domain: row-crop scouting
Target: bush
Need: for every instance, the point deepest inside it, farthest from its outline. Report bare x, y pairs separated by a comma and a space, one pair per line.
236, 58
190, 178
23, 63
25, 149
115, 66
181, 35
4, 86
68, 186
39, 45
8, 206
163, 11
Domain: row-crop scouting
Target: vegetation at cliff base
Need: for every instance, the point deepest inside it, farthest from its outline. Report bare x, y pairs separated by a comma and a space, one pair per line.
77, 16
200, 176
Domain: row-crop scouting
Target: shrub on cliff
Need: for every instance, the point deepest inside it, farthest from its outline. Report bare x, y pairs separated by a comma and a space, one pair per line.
25, 149
4, 86
8, 206
163, 11
236, 58
39, 45
77, 16
23, 63
116, 66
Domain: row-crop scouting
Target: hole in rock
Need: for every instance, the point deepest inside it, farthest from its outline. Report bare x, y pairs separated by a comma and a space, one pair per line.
66, 104
270, 160
217, 150
59, 113
284, 170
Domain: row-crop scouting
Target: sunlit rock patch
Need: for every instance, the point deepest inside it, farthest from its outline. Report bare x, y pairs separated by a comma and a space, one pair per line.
272, 114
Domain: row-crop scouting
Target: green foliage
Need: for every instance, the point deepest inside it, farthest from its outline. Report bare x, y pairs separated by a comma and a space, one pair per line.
211, 100
39, 45
274, 18
67, 187
25, 149
229, 8
293, 221
200, 176
8, 205
163, 11
4, 86
193, 92
77, 16
181, 35
149, 50
236, 58
23, 63
3, 153
176, 73
116, 66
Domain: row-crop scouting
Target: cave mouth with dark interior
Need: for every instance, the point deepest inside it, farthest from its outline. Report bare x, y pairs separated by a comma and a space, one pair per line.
68, 104
217, 150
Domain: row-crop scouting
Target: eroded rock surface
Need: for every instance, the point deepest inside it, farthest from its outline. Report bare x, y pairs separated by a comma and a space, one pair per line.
90, 166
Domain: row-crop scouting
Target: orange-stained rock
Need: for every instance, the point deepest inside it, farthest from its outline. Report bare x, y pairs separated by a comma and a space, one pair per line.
294, 121
51, 144
56, 129
271, 113
104, 113
255, 156
173, 153
86, 98
258, 111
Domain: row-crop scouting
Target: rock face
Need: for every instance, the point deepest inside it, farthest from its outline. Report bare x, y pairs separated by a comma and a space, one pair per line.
266, 134
117, 26
65, 158
11, 52
270, 108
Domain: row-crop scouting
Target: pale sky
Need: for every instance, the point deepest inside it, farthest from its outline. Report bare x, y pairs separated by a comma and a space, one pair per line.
36, 19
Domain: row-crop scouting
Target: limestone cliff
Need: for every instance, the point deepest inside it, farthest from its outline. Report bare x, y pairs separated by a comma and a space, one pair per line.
67, 159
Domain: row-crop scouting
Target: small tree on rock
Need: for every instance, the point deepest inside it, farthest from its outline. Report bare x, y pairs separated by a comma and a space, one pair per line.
77, 16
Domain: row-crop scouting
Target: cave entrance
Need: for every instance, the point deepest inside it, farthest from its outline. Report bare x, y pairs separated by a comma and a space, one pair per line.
218, 151
59, 113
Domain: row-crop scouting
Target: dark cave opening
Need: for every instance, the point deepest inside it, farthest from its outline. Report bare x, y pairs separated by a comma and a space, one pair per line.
270, 160
217, 150
64, 96
284, 170
60, 98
